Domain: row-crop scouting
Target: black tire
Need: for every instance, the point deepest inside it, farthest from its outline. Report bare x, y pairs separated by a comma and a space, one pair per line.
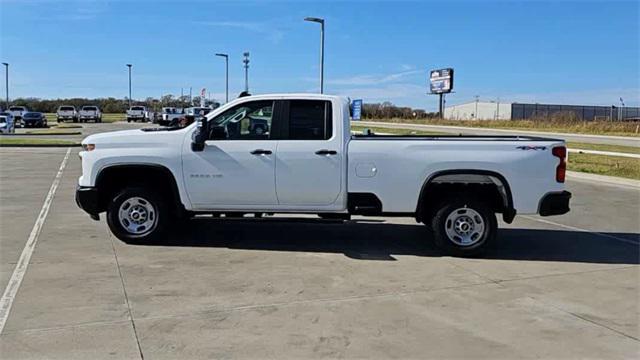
161, 215
128, 120
464, 208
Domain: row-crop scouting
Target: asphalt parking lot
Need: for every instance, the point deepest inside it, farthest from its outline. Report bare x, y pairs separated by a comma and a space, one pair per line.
558, 287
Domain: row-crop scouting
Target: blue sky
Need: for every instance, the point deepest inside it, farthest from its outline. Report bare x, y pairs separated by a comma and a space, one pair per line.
577, 52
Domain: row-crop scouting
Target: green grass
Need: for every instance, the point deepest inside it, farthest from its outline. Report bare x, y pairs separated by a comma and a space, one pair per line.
605, 165
65, 126
35, 142
604, 147
53, 132
381, 130
614, 128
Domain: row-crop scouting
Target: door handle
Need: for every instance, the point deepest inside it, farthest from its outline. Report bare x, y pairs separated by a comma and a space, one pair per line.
261, 152
326, 152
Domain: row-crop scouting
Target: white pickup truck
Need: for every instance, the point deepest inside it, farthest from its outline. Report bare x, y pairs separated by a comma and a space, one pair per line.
90, 112
66, 112
308, 161
17, 112
136, 113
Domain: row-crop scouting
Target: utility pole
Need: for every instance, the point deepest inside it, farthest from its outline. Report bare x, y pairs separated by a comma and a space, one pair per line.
6, 82
498, 109
246, 71
190, 96
321, 22
129, 66
226, 60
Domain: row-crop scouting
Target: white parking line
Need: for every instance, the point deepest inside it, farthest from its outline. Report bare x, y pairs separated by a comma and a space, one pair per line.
582, 230
21, 267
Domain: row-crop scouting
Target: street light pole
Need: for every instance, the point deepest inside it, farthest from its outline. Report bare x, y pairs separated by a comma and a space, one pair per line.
246, 71
321, 22
226, 59
129, 66
6, 81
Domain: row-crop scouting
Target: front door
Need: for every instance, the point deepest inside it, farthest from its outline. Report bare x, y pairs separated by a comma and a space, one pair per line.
239, 169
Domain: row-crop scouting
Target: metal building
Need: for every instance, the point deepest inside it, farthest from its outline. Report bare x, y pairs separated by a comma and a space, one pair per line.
493, 110
478, 110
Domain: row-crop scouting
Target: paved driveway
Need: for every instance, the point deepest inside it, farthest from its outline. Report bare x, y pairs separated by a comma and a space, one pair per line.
559, 287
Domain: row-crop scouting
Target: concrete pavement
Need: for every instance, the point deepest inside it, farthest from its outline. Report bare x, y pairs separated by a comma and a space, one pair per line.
557, 287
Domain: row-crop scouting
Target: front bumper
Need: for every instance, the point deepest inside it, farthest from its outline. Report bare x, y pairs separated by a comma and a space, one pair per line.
555, 204
88, 200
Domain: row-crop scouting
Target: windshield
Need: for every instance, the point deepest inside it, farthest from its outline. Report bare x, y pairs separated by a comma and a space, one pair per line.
137, 108
66, 108
32, 115
3, 119
17, 108
89, 108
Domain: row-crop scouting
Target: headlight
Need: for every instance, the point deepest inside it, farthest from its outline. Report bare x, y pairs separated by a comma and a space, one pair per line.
88, 147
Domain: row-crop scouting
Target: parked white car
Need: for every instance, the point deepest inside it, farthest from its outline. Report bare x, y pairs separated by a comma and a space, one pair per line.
136, 113
309, 162
7, 125
67, 112
90, 113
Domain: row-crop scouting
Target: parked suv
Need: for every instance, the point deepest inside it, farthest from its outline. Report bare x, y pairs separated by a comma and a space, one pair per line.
67, 112
34, 119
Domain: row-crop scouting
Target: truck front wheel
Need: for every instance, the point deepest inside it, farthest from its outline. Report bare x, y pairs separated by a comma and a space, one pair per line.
137, 215
464, 227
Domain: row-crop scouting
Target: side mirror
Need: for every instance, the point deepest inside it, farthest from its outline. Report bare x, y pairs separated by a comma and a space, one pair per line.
199, 136
218, 133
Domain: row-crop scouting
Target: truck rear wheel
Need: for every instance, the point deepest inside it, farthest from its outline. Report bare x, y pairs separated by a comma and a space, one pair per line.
464, 227
136, 215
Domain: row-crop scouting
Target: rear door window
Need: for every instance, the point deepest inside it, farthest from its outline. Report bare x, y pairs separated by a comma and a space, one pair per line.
310, 120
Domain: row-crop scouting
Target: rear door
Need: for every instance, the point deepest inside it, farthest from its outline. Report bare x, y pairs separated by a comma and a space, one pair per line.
310, 156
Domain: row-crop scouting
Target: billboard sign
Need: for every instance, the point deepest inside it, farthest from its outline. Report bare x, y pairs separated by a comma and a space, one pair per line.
441, 81
356, 109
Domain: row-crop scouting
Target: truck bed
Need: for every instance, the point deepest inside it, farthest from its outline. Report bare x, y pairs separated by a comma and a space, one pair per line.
452, 137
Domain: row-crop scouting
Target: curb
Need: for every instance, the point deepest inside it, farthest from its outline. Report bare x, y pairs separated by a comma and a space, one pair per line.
610, 180
39, 145
50, 134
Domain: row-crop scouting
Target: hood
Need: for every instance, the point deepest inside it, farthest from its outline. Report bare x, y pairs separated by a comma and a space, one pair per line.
133, 138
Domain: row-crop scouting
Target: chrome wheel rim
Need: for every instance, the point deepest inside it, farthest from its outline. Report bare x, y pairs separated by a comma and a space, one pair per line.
464, 227
137, 216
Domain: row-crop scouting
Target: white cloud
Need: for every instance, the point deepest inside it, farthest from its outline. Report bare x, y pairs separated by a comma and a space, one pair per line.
273, 34
360, 80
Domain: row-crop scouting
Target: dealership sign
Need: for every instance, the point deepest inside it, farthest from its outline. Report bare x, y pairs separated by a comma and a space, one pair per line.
356, 109
441, 81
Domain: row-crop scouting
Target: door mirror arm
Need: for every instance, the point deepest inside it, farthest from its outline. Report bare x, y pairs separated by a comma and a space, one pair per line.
200, 135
